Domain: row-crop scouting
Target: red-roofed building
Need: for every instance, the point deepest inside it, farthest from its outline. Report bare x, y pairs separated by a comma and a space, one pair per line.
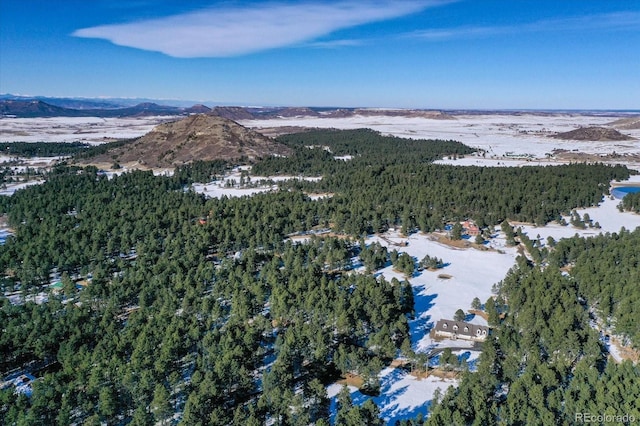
470, 228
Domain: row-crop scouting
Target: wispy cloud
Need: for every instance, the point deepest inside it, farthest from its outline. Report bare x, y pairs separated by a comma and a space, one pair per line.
333, 44
233, 31
608, 21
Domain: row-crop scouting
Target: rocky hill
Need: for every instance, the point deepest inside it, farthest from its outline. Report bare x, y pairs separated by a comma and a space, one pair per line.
259, 113
233, 113
197, 137
198, 109
627, 123
140, 110
421, 113
593, 134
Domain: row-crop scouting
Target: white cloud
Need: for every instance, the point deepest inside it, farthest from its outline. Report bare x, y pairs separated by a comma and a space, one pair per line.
233, 31
607, 21
330, 44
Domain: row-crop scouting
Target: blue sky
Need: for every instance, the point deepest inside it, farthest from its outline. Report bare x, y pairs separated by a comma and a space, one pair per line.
542, 54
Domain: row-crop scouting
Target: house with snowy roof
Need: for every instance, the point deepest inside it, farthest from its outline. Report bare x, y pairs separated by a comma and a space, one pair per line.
452, 329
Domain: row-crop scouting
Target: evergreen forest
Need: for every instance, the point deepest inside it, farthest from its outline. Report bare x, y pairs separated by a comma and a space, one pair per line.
174, 308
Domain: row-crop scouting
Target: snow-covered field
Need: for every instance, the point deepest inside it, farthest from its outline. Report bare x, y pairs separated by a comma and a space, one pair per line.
472, 274
402, 396
93, 130
497, 134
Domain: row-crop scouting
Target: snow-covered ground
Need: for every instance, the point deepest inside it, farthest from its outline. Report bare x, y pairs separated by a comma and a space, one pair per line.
473, 160
13, 187
402, 396
606, 214
615, 352
93, 130
472, 274
220, 188
33, 162
17, 298
497, 134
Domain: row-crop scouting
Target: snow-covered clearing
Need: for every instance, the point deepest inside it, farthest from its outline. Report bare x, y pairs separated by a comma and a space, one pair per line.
17, 298
402, 396
473, 160
472, 274
13, 187
230, 184
218, 190
33, 162
476, 160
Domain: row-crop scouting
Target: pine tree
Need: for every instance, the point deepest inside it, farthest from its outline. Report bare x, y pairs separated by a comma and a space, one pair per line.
476, 304
456, 231
160, 405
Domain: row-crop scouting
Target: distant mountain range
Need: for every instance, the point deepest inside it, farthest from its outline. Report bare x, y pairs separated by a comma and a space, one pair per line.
39, 108
98, 103
36, 108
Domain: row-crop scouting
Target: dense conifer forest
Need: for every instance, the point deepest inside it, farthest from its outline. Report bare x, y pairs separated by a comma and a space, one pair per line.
170, 302
42, 149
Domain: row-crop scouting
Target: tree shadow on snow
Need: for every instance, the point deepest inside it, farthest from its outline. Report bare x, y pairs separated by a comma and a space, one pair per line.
421, 325
408, 413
